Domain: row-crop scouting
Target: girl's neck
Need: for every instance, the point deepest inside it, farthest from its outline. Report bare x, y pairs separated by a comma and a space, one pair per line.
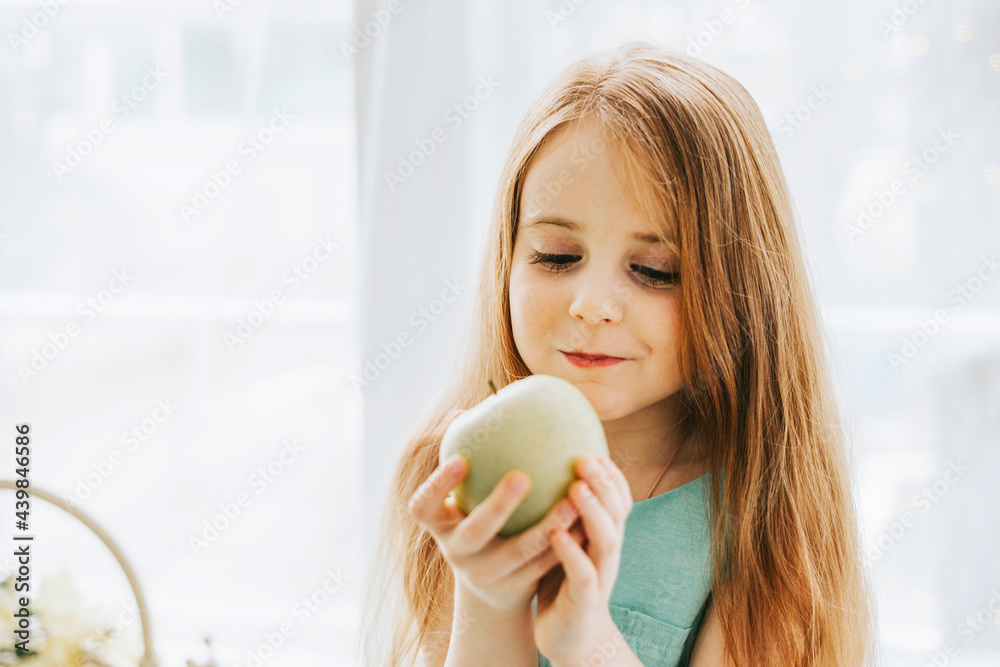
647, 438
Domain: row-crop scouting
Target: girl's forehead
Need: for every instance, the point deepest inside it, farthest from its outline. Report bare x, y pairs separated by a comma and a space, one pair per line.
590, 204
579, 141
584, 170
638, 232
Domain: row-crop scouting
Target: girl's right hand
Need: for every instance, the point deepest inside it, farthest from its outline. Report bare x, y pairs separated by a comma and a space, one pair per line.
502, 572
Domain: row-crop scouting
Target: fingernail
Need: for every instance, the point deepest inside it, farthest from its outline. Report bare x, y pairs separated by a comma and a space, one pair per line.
453, 465
517, 483
585, 491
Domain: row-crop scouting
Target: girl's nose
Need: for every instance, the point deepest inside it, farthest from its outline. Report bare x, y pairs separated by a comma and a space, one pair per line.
598, 297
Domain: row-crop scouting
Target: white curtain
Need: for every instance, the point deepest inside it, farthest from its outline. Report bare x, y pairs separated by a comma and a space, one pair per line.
440, 86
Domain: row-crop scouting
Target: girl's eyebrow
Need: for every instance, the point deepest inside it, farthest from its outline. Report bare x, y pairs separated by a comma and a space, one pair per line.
559, 221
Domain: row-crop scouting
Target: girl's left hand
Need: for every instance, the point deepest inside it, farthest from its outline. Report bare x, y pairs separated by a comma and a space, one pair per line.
572, 617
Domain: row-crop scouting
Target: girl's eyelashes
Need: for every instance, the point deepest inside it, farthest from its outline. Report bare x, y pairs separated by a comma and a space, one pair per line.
561, 262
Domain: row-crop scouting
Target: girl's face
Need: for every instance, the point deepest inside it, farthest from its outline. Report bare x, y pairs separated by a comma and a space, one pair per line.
584, 279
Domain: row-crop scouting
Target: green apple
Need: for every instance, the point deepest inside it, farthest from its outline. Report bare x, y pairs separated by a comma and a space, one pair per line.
539, 425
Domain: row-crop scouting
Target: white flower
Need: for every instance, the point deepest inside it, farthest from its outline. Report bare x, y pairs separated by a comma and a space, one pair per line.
65, 631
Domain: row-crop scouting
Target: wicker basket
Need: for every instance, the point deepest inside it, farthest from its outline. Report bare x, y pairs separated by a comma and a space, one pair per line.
148, 656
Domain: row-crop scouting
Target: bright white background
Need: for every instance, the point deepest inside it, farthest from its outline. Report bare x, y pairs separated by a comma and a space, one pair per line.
885, 96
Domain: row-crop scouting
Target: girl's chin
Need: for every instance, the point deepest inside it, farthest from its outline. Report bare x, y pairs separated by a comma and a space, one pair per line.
601, 397
605, 408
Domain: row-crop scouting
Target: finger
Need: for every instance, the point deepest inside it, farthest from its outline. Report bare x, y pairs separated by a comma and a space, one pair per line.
539, 567
602, 532
621, 483
427, 505
512, 553
535, 540
489, 516
604, 484
579, 570
451, 512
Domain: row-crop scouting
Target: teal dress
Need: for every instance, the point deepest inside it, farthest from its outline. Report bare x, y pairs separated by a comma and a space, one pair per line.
664, 578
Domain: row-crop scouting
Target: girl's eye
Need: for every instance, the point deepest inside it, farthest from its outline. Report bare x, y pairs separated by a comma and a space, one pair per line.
557, 262
658, 277
651, 277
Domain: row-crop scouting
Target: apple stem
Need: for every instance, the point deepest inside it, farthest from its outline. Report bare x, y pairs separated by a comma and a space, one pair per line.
493, 387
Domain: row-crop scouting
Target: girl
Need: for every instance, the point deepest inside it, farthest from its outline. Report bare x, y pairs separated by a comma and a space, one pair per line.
642, 247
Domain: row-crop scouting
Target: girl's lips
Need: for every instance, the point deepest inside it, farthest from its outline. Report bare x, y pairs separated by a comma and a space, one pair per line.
591, 362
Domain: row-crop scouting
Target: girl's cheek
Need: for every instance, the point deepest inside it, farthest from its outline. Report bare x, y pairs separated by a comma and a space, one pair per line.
521, 293
530, 300
664, 313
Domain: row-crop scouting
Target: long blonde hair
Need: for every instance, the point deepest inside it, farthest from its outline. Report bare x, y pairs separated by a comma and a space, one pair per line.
789, 585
